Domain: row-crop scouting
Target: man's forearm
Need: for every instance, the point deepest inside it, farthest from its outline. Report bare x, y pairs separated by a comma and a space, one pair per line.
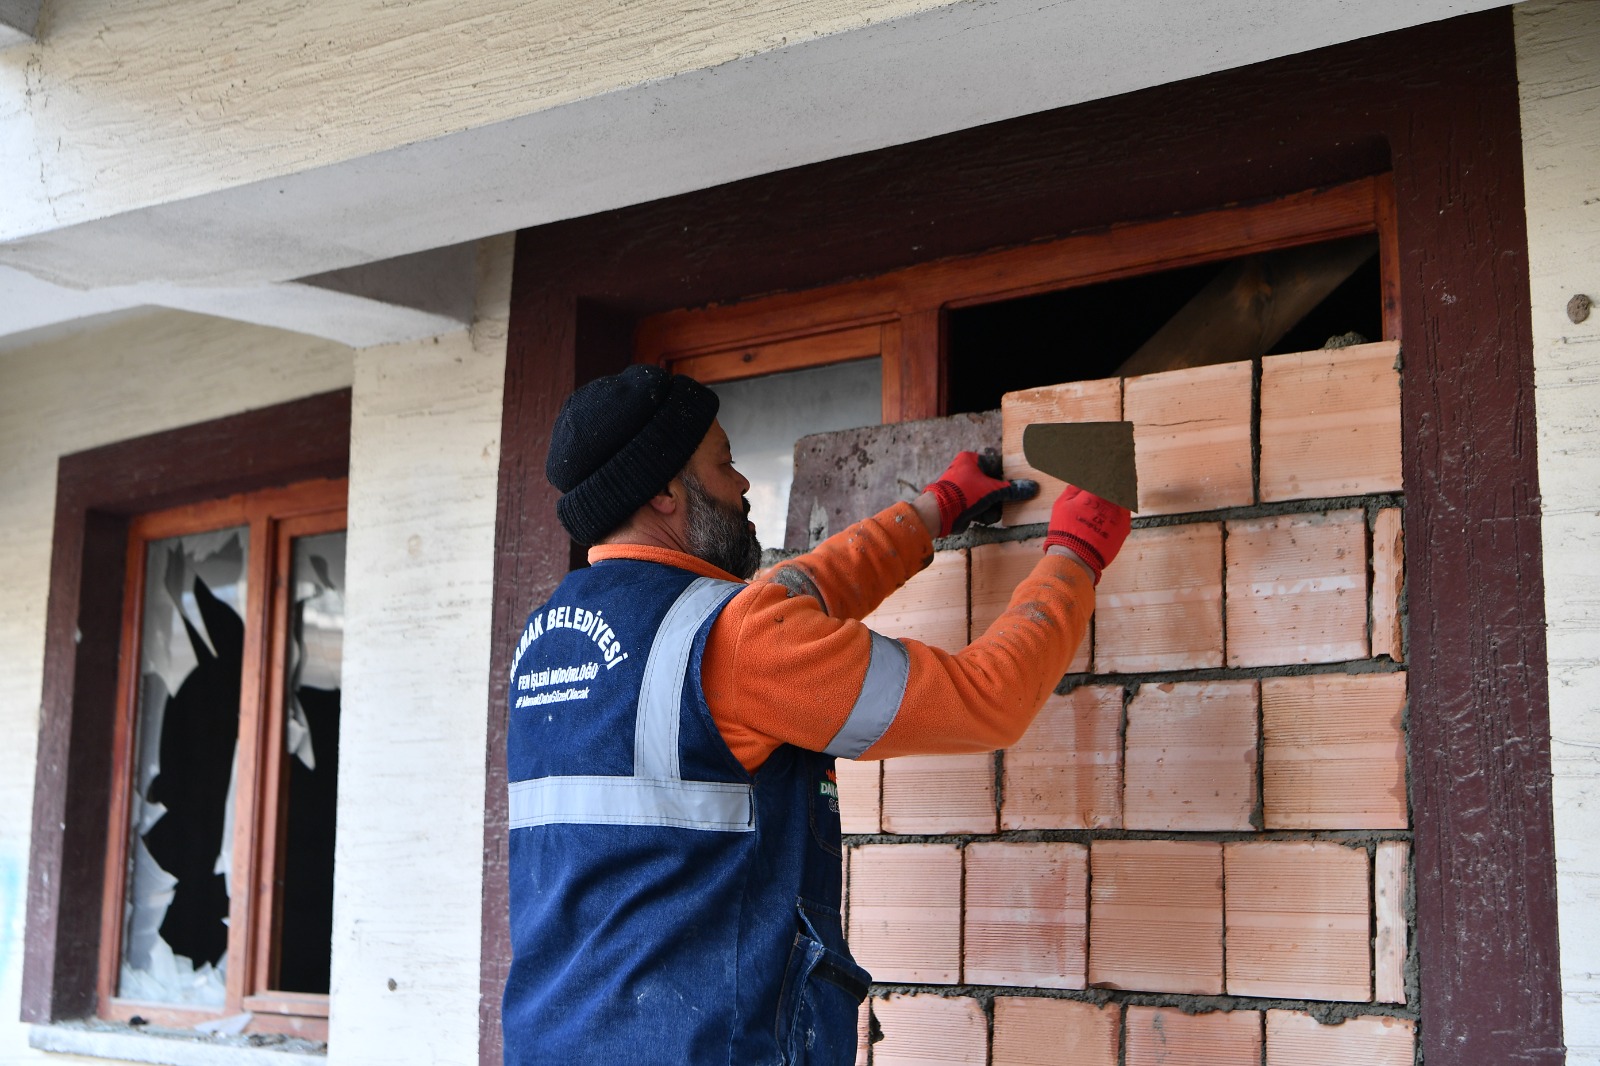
927, 508
854, 570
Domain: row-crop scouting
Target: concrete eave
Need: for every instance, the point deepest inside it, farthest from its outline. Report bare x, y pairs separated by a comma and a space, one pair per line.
916, 77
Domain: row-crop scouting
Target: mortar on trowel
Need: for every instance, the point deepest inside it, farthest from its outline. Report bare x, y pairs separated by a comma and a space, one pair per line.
1095, 456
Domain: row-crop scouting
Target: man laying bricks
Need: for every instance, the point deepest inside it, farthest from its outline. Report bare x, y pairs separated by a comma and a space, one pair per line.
675, 851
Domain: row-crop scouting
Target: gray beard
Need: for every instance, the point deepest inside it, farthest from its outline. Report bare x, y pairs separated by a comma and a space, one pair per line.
719, 534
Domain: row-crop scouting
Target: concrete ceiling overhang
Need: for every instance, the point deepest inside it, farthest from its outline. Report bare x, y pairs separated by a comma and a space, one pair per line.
295, 250
18, 20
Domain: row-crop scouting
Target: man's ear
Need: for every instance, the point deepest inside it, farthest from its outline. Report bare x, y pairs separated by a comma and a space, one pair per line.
666, 502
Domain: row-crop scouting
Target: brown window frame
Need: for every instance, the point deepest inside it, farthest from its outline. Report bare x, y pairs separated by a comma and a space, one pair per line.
274, 517
98, 491
900, 316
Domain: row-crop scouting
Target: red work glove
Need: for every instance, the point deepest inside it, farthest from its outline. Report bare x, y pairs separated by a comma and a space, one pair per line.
972, 490
1089, 527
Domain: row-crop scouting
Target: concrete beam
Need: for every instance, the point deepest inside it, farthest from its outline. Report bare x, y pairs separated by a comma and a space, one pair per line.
410, 298
933, 72
27, 303
440, 282
348, 318
18, 21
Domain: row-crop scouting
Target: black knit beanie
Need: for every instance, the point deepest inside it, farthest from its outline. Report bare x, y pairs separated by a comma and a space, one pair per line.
617, 442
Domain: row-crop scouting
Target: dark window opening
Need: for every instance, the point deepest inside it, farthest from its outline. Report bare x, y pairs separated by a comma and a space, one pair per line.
1295, 299
305, 929
311, 741
192, 655
1356, 306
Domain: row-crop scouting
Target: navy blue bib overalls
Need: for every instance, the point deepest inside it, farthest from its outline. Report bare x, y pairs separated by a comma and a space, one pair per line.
667, 906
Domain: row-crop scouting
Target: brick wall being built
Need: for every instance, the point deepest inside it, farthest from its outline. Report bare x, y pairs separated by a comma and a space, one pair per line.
1200, 851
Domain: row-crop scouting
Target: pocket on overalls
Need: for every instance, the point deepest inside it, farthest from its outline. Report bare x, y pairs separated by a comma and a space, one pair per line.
824, 815
819, 1004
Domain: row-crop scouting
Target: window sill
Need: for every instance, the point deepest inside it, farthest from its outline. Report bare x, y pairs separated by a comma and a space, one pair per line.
173, 1047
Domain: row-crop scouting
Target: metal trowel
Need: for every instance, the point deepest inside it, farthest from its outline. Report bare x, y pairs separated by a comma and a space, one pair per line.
1095, 456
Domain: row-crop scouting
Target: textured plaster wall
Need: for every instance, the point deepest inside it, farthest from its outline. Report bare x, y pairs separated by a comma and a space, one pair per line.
424, 452
1558, 47
425, 447
157, 100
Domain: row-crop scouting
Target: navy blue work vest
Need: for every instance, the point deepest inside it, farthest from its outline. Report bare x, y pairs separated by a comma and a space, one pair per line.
667, 906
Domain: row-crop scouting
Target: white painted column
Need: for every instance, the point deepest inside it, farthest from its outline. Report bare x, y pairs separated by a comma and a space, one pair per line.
409, 862
1558, 61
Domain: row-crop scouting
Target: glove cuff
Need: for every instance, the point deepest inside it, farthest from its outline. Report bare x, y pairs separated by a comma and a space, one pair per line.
1081, 548
952, 502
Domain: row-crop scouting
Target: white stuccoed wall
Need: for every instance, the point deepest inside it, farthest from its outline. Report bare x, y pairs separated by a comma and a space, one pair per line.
424, 454
118, 106
425, 447
154, 102
195, 153
1558, 53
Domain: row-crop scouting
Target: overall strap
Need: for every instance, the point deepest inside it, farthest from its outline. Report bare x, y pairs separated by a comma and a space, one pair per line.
656, 793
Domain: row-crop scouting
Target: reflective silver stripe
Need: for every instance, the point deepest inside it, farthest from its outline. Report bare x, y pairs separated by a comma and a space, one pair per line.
656, 794
882, 690
631, 801
655, 737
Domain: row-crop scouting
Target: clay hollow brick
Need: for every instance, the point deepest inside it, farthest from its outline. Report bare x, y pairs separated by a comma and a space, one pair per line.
939, 794
904, 911
997, 569
1388, 584
1330, 423
860, 795
1190, 757
1166, 1036
1155, 916
1297, 589
1333, 751
1065, 772
1191, 438
1389, 941
919, 1030
1298, 918
1076, 401
1026, 921
1054, 1032
931, 607
1297, 1039
1159, 605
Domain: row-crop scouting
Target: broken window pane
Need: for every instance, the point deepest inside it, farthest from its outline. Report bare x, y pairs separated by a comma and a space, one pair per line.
311, 743
764, 416
191, 654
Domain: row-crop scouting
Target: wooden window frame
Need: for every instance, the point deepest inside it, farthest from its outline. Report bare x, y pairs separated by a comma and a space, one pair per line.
901, 316
267, 1002
98, 492
273, 517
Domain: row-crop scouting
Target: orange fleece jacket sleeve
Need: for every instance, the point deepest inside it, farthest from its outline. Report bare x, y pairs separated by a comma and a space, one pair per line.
782, 667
